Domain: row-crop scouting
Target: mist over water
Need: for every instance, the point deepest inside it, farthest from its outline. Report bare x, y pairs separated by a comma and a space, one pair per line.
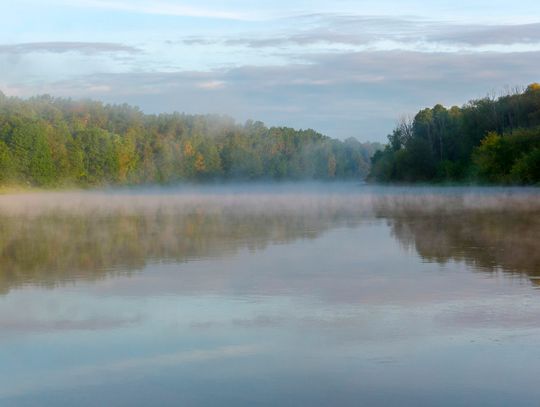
307, 294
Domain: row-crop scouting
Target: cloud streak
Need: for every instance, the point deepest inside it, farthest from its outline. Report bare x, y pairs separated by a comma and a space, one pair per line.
163, 8
404, 32
61, 47
496, 34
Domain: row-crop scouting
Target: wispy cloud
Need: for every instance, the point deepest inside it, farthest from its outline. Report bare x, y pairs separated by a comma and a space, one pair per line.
86, 48
322, 29
492, 34
163, 8
388, 32
211, 85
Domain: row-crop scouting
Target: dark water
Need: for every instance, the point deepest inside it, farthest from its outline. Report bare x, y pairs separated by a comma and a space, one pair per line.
299, 295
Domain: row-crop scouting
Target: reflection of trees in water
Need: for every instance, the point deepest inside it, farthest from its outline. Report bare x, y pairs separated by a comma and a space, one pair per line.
500, 235
58, 246
47, 240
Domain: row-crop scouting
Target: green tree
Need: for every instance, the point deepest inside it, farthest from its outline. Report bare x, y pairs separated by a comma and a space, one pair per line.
7, 167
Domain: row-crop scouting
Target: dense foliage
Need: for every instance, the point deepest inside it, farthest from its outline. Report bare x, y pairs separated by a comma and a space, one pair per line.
487, 140
47, 141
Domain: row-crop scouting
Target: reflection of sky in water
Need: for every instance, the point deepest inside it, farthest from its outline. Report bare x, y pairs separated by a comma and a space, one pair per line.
345, 317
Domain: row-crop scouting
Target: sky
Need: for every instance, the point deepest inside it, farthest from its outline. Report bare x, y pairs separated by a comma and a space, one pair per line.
344, 68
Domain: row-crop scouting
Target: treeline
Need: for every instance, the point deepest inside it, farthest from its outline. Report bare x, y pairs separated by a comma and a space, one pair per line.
46, 141
493, 140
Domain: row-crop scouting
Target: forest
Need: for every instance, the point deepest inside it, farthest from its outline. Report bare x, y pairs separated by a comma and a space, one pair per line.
490, 140
53, 142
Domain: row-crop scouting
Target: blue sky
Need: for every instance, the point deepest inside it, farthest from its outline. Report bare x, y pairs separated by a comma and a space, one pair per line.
345, 68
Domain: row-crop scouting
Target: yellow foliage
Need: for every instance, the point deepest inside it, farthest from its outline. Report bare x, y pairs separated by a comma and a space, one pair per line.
533, 87
188, 149
491, 140
199, 163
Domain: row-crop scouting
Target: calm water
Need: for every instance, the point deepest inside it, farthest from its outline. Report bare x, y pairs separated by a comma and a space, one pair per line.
297, 295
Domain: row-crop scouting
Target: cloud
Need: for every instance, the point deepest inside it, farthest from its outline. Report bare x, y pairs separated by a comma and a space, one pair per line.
194, 41
324, 29
211, 85
403, 32
307, 38
163, 8
61, 47
497, 34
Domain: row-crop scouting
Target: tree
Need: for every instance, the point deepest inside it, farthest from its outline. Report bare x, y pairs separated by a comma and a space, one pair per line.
7, 167
488, 138
32, 153
51, 141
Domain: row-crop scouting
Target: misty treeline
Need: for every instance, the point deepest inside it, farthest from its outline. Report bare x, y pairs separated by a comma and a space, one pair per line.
493, 140
47, 141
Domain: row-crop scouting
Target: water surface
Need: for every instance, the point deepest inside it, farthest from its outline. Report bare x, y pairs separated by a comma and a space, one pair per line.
312, 295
